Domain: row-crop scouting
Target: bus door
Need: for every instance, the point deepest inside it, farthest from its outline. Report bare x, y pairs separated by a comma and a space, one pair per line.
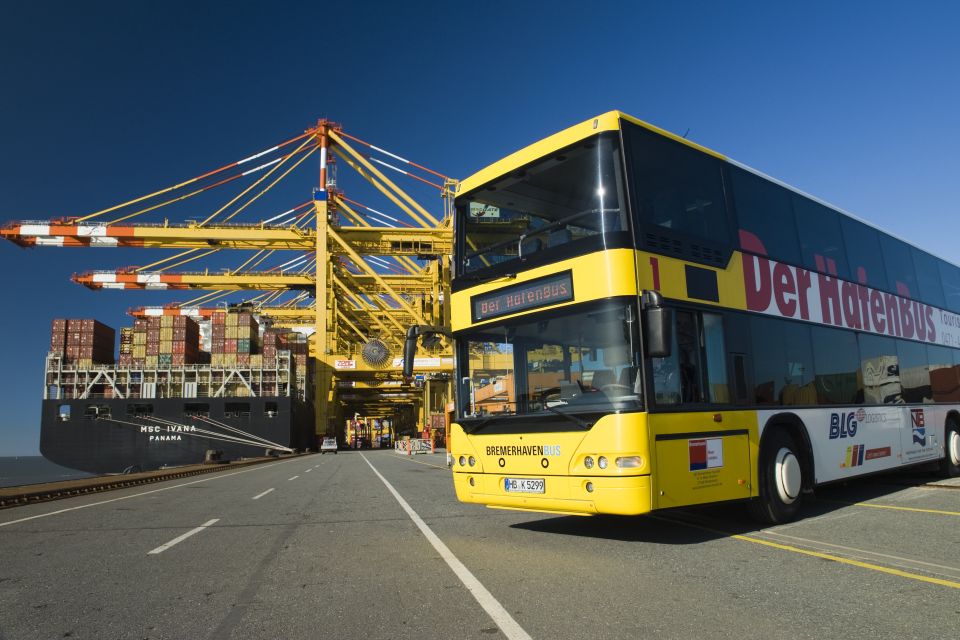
702, 450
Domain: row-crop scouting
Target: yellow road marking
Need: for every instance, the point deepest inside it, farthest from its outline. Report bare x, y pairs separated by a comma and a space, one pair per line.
895, 508
817, 554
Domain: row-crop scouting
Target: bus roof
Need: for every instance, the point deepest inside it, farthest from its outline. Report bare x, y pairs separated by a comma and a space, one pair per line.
610, 121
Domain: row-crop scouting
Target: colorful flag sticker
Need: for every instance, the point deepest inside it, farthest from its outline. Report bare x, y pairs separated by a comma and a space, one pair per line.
854, 456
705, 454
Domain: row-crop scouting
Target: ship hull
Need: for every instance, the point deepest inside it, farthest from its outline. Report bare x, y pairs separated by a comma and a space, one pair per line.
112, 435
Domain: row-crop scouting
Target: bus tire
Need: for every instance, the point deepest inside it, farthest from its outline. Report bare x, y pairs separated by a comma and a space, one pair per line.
780, 473
950, 464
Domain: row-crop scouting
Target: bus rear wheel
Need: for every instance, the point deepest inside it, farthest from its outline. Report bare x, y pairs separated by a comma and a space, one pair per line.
950, 465
781, 479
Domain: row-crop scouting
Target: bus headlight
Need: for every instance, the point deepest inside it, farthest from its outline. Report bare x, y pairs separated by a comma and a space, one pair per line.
463, 461
588, 462
602, 462
472, 461
630, 462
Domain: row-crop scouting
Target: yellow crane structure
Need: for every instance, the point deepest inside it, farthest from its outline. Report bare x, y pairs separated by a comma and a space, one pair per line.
359, 278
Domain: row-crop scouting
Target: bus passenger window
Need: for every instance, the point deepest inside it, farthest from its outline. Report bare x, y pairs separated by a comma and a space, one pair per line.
719, 390
688, 350
696, 370
677, 378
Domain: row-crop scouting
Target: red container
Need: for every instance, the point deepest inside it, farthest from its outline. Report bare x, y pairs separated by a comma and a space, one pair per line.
153, 348
178, 359
243, 359
230, 346
125, 360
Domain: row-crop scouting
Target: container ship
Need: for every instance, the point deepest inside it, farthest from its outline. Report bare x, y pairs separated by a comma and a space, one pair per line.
180, 389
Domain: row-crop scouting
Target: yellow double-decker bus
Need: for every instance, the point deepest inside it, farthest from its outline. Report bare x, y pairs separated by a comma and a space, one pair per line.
642, 323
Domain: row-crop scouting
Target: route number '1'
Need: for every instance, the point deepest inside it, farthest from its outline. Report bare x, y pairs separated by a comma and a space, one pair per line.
655, 266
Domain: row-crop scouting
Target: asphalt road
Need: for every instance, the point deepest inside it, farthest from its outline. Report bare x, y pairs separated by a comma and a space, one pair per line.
320, 547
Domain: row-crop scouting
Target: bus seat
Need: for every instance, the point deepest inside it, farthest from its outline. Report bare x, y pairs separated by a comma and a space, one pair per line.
602, 377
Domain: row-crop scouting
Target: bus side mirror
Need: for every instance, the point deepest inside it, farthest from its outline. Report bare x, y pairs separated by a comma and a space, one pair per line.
658, 326
431, 338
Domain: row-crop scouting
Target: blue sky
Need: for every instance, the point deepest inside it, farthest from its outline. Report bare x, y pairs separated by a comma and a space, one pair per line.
103, 101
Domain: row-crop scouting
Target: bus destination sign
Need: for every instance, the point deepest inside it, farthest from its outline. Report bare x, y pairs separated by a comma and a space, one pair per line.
532, 294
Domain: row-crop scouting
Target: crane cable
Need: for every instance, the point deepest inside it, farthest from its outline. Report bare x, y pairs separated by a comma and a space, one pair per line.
342, 198
392, 155
189, 251
257, 182
307, 133
274, 183
168, 259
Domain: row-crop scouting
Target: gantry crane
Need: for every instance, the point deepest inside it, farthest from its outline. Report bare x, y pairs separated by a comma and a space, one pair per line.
370, 274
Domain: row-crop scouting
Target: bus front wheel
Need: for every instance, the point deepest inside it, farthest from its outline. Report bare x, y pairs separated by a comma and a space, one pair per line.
781, 479
950, 465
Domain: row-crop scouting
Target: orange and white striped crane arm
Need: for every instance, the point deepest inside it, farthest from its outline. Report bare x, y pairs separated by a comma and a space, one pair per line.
160, 236
160, 281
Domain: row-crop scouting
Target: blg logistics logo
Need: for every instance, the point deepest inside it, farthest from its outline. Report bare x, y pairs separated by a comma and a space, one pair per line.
844, 424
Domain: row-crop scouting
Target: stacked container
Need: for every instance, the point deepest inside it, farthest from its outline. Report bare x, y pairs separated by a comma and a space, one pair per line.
271, 340
139, 351
58, 337
126, 347
82, 342
161, 342
233, 339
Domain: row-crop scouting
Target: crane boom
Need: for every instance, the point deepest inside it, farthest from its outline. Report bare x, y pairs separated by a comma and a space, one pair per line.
367, 240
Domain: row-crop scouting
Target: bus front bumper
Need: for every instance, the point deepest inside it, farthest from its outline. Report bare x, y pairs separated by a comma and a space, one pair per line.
621, 495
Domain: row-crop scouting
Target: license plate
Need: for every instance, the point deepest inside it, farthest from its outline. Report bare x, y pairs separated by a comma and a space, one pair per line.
524, 485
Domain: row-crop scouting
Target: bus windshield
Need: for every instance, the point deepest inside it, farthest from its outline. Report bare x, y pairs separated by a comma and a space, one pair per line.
582, 361
566, 197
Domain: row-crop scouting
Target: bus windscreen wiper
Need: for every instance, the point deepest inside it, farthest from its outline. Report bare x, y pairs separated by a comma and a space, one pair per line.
574, 419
